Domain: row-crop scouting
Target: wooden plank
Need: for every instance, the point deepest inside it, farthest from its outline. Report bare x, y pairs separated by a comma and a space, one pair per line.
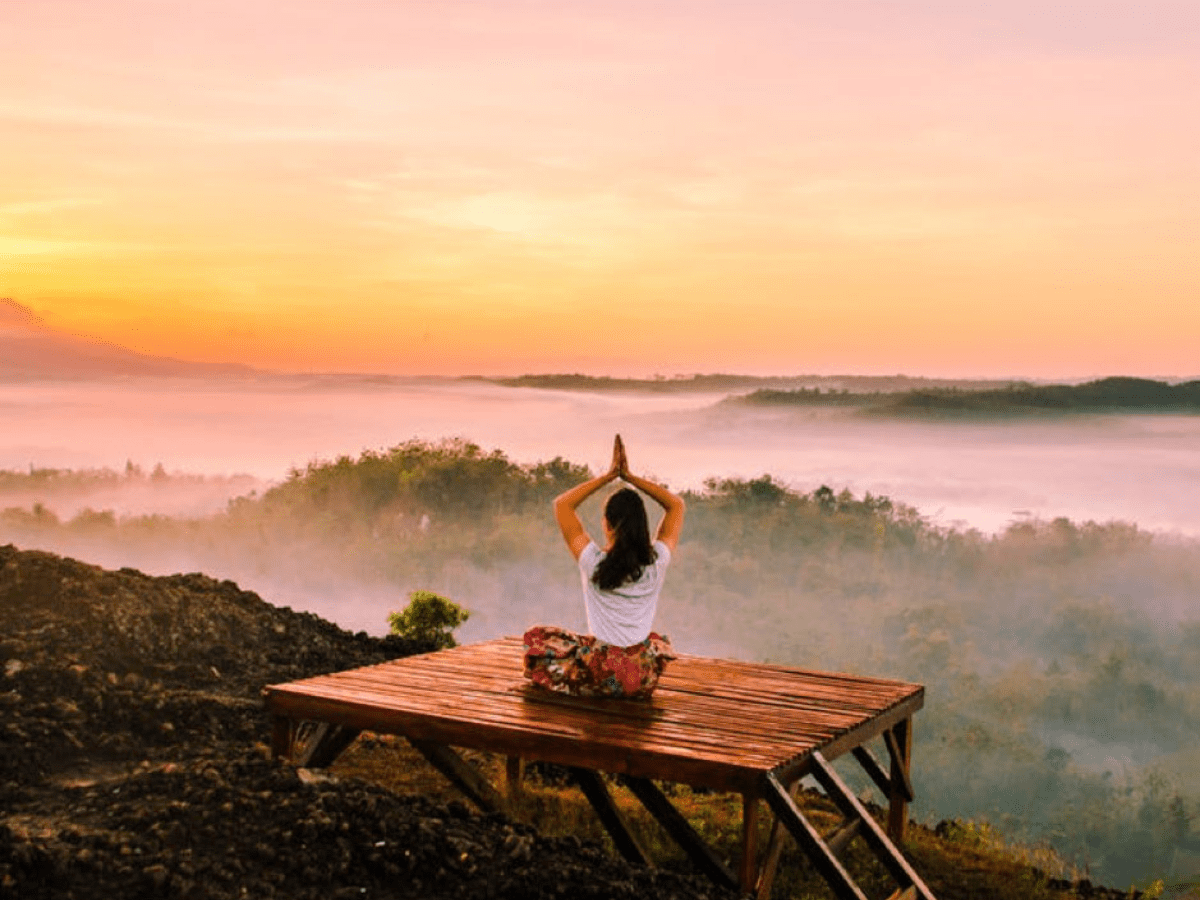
569, 748
810, 840
899, 744
661, 763
717, 715
461, 774
872, 767
719, 709
616, 729
681, 831
851, 806
666, 705
748, 867
592, 731
614, 823
766, 686
503, 657
707, 746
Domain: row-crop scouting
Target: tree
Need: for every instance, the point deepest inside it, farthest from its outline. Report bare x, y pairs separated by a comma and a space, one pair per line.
428, 619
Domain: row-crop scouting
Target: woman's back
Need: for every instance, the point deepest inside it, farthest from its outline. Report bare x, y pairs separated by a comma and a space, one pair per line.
622, 615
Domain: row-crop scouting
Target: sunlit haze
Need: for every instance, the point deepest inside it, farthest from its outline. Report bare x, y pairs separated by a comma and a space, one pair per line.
630, 188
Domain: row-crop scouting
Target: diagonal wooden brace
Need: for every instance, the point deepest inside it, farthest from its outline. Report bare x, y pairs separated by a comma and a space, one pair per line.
873, 768
902, 783
766, 875
318, 744
872, 833
701, 855
809, 839
460, 773
596, 791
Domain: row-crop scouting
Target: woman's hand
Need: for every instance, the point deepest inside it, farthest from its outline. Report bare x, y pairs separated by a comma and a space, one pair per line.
617, 469
566, 503
619, 458
673, 506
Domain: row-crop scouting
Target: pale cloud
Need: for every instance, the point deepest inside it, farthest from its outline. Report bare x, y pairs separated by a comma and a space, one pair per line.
16, 246
45, 207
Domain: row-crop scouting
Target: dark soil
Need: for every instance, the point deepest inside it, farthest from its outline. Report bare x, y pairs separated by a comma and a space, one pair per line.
133, 760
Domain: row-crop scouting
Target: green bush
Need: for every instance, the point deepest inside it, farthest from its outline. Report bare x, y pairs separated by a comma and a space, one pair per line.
428, 619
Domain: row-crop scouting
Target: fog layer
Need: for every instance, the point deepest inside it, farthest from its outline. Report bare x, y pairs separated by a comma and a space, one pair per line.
1140, 468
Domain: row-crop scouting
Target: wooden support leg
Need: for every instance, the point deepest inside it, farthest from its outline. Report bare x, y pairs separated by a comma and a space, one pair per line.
614, 823
899, 744
701, 855
461, 774
766, 878
748, 870
514, 777
281, 737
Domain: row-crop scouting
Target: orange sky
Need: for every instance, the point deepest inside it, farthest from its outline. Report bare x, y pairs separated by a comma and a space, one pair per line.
449, 187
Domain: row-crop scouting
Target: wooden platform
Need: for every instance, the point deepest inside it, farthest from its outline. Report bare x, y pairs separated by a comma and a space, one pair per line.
711, 723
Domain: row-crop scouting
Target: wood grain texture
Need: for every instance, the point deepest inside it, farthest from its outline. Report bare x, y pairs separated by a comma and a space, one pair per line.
712, 722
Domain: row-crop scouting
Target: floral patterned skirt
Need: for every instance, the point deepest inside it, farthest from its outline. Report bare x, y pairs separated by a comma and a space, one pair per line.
580, 664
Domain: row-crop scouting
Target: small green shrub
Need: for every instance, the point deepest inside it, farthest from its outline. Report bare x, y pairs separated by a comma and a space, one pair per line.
429, 619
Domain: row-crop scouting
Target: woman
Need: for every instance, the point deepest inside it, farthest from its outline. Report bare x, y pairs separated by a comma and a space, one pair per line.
621, 657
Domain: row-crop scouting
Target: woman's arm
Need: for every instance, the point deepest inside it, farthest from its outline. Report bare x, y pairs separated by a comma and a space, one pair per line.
566, 503
671, 525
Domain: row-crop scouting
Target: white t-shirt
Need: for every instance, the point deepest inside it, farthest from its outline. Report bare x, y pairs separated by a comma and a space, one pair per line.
622, 616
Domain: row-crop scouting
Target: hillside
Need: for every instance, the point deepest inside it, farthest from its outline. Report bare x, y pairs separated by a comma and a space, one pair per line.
133, 763
719, 383
1105, 395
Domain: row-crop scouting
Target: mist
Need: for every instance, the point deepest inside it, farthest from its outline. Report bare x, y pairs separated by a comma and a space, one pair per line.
983, 475
1040, 578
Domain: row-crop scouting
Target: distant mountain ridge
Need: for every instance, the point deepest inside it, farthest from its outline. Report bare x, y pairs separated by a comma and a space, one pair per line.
719, 382
30, 350
1105, 395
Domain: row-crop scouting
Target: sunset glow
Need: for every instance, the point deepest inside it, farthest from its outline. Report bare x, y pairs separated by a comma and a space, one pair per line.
630, 188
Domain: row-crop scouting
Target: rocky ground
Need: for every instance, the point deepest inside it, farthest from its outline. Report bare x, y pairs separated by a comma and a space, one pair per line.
133, 762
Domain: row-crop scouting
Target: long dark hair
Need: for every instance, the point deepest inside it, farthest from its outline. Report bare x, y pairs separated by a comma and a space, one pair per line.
631, 550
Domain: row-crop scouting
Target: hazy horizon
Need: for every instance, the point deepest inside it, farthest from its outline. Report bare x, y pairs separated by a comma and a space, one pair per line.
34, 351
985, 475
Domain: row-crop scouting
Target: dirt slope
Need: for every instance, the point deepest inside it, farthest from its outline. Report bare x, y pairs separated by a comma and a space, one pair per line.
133, 760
